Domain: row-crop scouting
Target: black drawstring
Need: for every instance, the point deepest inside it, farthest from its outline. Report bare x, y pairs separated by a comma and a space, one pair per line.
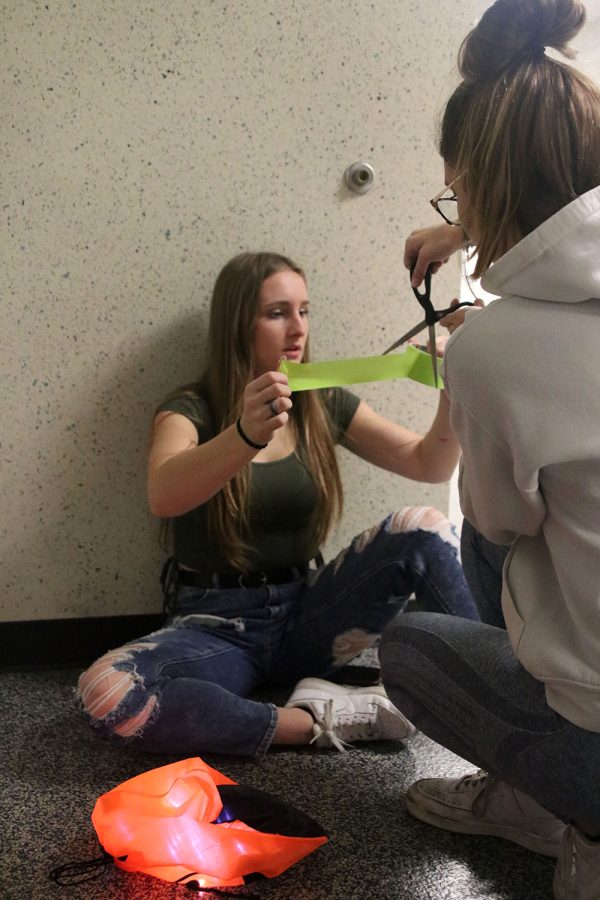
70, 874
78, 872
193, 886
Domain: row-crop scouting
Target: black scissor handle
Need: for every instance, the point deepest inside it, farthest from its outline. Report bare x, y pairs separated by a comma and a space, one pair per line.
440, 313
424, 297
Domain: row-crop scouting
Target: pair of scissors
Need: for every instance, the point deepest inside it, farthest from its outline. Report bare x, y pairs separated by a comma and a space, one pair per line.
431, 317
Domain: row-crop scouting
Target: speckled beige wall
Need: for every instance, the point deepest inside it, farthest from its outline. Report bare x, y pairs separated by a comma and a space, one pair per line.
143, 144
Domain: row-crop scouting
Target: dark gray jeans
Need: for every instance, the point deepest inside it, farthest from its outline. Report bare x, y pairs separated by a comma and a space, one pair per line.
460, 683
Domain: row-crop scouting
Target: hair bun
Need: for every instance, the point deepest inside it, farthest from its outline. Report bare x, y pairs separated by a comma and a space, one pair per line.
513, 30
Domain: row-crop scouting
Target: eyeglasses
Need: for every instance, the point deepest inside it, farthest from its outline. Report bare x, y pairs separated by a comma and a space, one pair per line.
445, 203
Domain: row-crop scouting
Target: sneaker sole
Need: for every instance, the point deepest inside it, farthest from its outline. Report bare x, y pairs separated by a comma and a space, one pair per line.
530, 841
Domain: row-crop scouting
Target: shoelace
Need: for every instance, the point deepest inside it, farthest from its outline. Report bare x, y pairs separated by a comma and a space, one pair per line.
357, 727
472, 781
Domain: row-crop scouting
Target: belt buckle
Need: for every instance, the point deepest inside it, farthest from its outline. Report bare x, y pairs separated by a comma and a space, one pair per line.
262, 582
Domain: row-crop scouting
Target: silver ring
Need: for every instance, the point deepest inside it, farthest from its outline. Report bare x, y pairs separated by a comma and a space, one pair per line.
273, 408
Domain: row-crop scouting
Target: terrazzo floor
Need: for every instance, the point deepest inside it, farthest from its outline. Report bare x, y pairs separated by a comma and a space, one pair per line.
53, 770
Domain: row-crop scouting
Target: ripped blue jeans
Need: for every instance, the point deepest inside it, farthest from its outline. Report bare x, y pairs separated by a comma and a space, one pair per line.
185, 689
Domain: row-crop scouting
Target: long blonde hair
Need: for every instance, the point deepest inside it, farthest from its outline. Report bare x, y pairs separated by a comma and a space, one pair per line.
233, 310
522, 129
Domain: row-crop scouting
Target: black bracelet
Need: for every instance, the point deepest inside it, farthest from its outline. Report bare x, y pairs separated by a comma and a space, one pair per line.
245, 437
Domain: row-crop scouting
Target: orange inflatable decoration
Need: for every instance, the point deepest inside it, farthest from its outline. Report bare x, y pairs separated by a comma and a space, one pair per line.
188, 823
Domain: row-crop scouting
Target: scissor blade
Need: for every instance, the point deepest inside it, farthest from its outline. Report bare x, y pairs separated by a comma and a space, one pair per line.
433, 351
406, 337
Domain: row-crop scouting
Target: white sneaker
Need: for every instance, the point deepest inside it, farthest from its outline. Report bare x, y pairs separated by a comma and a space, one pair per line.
577, 875
344, 715
479, 804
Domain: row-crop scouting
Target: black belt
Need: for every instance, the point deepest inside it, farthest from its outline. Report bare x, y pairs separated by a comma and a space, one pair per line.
220, 580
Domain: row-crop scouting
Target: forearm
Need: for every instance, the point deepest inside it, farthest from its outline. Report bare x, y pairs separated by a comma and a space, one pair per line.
180, 482
439, 451
390, 446
184, 474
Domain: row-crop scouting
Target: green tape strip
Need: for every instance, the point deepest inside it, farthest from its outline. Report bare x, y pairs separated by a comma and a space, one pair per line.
413, 364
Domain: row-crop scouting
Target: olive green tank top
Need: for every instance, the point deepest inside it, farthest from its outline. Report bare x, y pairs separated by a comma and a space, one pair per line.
281, 503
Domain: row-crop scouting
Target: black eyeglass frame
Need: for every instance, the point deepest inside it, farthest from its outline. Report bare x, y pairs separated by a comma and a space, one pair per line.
435, 202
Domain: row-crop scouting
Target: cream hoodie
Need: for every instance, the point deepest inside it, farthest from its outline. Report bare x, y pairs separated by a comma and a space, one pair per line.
523, 377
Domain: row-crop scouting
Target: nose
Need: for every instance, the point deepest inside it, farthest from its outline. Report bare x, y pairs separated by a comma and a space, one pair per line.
298, 324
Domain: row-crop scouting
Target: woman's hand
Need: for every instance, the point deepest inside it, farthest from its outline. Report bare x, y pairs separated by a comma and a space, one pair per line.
454, 319
431, 246
266, 406
184, 474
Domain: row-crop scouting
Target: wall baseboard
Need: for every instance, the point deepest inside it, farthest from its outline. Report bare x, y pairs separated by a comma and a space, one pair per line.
68, 643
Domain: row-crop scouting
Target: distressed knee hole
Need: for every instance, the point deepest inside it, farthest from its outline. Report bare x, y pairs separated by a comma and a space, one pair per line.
137, 722
339, 560
364, 539
424, 518
349, 644
103, 688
